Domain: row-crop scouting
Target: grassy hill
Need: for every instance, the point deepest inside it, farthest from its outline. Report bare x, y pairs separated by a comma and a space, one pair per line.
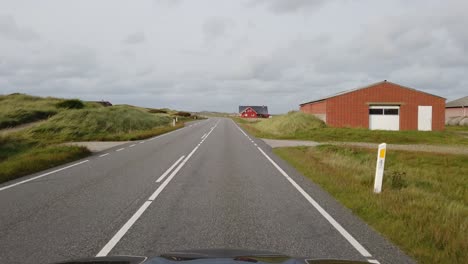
107, 123
17, 109
40, 146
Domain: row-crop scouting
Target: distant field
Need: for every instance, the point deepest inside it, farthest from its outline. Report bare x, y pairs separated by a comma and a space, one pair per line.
297, 125
424, 204
38, 147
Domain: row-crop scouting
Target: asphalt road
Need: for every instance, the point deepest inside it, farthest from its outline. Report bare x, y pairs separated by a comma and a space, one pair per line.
218, 188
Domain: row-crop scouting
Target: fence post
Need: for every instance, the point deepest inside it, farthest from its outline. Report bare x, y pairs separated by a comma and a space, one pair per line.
379, 170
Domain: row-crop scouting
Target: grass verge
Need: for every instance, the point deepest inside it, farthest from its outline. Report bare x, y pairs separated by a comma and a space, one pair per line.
423, 207
300, 126
37, 159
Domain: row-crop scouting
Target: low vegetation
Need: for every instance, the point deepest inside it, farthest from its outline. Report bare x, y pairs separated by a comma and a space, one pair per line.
424, 204
39, 147
71, 104
17, 109
300, 126
184, 114
106, 123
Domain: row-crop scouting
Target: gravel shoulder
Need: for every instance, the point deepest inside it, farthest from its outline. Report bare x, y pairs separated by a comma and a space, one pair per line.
97, 146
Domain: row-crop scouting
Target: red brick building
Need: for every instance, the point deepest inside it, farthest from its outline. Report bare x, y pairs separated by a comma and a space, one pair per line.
384, 105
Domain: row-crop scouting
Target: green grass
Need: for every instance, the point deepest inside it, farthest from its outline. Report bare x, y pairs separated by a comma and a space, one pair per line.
39, 147
107, 123
300, 126
423, 207
457, 128
38, 158
17, 109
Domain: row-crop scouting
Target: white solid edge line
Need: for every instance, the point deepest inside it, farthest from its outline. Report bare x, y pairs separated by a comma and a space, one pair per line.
42, 175
169, 170
116, 238
122, 231
373, 261
120, 149
322, 211
103, 155
204, 135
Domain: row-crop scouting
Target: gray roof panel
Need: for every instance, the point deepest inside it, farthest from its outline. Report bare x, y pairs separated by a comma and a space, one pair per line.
460, 102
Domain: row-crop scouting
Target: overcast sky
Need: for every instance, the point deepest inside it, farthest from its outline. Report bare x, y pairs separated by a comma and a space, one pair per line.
215, 55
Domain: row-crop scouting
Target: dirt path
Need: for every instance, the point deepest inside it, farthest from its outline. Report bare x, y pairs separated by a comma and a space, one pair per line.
7, 131
448, 149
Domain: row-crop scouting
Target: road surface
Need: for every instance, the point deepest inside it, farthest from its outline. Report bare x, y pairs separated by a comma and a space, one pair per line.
208, 185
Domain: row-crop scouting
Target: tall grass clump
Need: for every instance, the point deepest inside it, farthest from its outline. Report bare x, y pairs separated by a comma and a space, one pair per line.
17, 109
71, 104
96, 124
291, 124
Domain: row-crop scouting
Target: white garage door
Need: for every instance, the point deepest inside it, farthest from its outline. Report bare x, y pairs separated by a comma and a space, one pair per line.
384, 117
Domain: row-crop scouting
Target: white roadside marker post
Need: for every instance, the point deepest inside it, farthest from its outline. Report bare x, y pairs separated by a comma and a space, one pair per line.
176, 119
379, 170
173, 122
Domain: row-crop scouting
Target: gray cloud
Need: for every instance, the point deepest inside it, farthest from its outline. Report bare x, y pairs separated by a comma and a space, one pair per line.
207, 61
216, 27
287, 6
10, 29
135, 38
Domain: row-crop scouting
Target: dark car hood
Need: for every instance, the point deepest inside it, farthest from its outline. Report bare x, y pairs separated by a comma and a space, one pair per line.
209, 256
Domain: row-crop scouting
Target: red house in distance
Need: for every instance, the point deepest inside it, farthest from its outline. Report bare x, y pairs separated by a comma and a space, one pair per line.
253, 111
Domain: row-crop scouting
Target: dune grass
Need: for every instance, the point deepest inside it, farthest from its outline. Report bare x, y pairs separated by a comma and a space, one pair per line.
39, 147
300, 126
107, 123
17, 109
424, 204
38, 158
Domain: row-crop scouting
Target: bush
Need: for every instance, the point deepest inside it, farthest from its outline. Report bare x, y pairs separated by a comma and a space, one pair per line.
157, 111
184, 114
71, 104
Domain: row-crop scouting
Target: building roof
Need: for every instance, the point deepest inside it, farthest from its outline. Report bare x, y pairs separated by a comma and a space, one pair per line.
261, 110
460, 102
365, 87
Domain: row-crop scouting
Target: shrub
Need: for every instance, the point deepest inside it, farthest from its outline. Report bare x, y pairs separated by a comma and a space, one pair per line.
71, 104
184, 114
157, 111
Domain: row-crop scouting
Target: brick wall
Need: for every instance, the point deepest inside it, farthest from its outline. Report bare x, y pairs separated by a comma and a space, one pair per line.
352, 109
319, 109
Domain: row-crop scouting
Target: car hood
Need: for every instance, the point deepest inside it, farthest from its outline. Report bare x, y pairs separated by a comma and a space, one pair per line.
210, 256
